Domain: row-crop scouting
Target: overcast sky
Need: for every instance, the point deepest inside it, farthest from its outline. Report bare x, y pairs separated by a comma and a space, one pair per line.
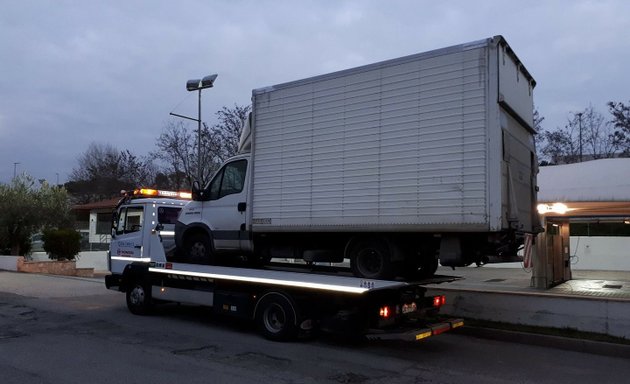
77, 72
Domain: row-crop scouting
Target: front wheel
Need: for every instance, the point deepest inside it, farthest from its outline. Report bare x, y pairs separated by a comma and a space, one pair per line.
198, 250
139, 300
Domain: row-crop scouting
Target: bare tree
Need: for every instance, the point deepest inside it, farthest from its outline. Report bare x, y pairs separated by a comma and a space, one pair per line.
229, 128
586, 136
103, 172
177, 148
621, 121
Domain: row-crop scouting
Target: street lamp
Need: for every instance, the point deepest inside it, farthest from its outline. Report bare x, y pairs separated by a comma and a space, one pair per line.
579, 115
198, 85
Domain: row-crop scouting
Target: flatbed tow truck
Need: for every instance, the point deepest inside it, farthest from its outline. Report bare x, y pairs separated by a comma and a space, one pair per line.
284, 303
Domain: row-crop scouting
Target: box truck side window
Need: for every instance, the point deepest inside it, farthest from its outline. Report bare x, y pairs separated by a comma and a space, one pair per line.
229, 180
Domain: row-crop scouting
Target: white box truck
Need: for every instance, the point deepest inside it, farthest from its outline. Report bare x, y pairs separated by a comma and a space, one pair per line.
390, 165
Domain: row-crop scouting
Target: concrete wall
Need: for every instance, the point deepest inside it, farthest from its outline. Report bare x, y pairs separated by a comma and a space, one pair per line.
87, 259
609, 317
593, 254
65, 268
8, 263
600, 253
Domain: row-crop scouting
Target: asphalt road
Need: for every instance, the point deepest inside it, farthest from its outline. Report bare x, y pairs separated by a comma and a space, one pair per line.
68, 330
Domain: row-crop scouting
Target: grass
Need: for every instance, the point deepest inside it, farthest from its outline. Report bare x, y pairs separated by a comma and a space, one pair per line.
559, 332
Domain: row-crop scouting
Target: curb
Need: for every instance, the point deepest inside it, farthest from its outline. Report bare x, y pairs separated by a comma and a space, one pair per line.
564, 343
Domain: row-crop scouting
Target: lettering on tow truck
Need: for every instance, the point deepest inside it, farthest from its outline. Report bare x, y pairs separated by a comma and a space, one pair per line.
367, 284
161, 265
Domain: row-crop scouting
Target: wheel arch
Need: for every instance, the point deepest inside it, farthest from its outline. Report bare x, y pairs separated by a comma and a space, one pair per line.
133, 272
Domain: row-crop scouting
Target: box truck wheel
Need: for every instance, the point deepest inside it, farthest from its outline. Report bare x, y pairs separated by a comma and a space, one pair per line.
428, 266
276, 317
371, 259
197, 249
139, 300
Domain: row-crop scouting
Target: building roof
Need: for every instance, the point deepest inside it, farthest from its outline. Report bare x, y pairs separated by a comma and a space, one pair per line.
103, 204
595, 189
604, 180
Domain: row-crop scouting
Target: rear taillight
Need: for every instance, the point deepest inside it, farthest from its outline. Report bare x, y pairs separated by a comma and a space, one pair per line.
439, 301
385, 312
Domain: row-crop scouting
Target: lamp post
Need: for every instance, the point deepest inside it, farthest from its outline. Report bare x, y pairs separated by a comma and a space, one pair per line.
15, 169
198, 85
579, 115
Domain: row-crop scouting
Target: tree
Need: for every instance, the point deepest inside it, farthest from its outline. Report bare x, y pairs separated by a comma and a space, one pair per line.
27, 208
229, 128
586, 136
104, 171
177, 148
621, 121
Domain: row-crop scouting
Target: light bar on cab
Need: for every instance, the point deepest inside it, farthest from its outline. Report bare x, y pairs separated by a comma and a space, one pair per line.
148, 192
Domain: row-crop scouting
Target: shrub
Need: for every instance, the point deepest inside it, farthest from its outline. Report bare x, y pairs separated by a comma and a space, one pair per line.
62, 244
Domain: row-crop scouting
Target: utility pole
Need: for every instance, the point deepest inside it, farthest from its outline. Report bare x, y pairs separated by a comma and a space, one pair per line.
579, 115
15, 169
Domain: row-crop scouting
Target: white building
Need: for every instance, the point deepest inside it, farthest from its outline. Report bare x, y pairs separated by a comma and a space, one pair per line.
597, 198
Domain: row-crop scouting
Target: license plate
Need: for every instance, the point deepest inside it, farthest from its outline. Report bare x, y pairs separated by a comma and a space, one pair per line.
408, 308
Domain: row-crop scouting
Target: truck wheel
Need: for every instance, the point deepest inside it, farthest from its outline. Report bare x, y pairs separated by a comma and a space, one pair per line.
198, 249
139, 298
420, 263
427, 267
276, 317
371, 259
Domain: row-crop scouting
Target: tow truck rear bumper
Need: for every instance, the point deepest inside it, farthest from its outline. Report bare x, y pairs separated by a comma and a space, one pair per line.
415, 334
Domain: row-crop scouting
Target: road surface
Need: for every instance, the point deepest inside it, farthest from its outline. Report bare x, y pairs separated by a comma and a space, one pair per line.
69, 330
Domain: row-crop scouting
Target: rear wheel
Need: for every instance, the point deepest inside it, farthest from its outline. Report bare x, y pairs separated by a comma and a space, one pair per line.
276, 317
371, 259
421, 262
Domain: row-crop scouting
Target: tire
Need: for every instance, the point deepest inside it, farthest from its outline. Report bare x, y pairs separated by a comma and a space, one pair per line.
276, 317
139, 301
420, 263
198, 250
427, 267
371, 259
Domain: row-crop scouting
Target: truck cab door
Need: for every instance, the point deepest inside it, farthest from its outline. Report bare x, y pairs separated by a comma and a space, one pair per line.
126, 245
226, 205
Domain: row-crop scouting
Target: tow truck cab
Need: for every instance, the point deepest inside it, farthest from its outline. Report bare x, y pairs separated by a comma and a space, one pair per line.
143, 227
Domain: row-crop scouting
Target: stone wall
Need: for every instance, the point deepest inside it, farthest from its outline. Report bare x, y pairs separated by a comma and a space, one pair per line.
65, 268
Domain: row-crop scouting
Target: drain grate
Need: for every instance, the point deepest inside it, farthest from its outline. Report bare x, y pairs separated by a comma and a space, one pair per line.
494, 280
613, 286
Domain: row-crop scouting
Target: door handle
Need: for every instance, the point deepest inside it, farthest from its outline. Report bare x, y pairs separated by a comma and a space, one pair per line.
137, 246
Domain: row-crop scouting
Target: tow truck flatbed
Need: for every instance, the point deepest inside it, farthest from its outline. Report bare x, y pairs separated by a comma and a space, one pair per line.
284, 301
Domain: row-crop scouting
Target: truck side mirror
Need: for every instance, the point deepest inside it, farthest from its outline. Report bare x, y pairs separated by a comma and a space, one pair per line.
197, 193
